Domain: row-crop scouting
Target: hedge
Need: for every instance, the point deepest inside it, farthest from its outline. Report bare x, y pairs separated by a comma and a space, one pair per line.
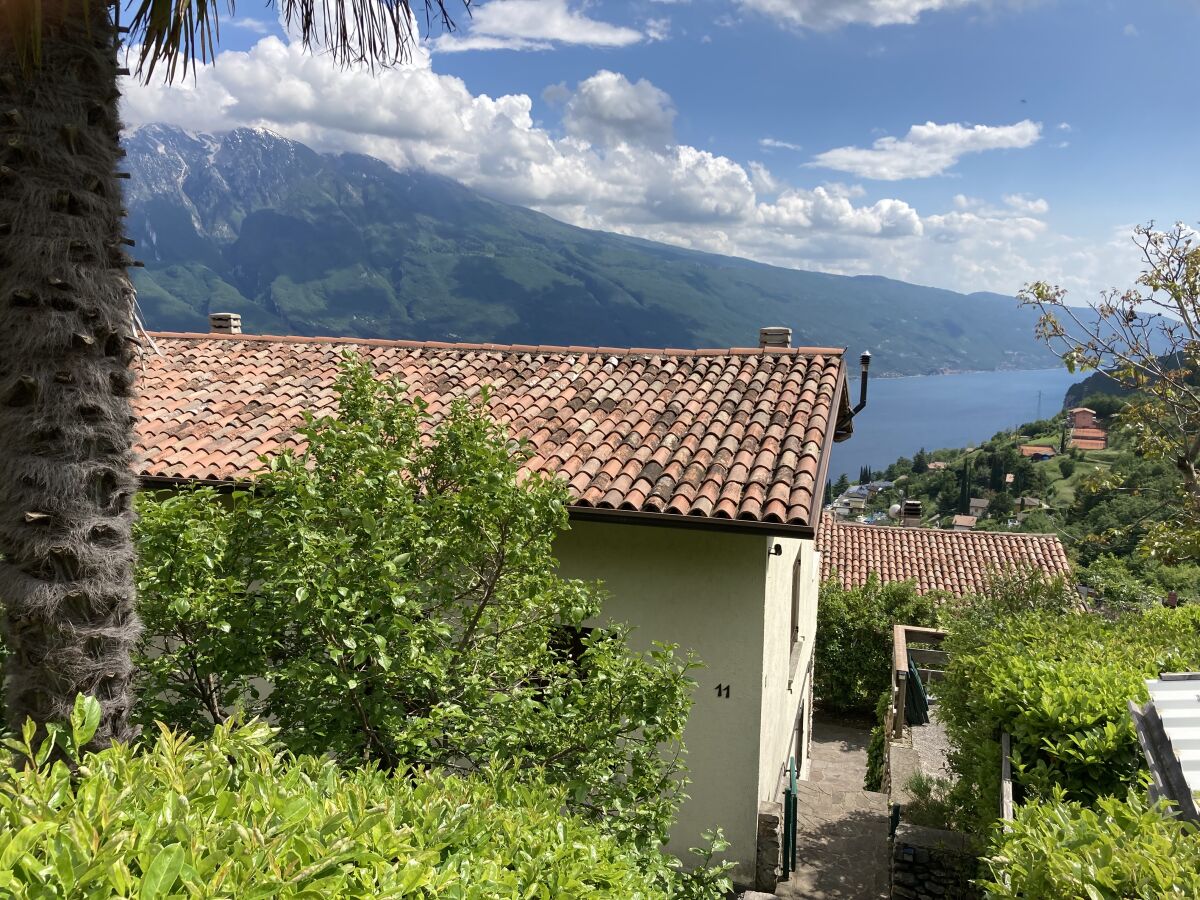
236, 817
853, 657
1060, 685
1122, 848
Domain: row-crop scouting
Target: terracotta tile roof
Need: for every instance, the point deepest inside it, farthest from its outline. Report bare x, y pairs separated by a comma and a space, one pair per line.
1036, 450
737, 435
964, 521
955, 562
1089, 443
1094, 434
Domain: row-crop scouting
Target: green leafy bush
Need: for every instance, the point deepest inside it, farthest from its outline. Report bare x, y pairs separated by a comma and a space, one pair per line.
235, 817
877, 747
971, 620
1117, 587
932, 802
391, 595
1120, 849
1059, 684
854, 638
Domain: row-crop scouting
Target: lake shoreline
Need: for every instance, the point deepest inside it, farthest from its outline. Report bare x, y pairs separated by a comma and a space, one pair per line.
892, 376
905, 413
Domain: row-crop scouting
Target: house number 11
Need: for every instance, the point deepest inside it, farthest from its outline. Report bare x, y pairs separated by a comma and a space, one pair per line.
723, 691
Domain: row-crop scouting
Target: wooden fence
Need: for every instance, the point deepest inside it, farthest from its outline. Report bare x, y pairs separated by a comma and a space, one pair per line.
930, 664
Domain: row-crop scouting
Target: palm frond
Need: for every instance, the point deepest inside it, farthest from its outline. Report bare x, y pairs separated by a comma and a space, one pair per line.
181, 33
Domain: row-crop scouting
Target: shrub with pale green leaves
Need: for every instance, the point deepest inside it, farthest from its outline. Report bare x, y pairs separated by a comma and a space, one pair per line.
235, 816
1118, 849
853, 657
1059, 683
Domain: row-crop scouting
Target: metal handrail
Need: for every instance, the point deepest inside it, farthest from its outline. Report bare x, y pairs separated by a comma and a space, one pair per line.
789, 820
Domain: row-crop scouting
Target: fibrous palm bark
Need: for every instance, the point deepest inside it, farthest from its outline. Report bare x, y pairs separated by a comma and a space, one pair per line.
66, 344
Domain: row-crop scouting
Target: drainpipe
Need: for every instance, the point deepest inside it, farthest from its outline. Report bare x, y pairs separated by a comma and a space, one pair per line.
865, 362
844, 427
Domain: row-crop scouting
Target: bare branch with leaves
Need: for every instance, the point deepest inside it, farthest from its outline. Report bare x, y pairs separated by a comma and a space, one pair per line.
1147, 340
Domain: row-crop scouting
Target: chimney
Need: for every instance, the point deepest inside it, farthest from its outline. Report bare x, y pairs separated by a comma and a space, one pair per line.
774, 337
910, 514
225, 323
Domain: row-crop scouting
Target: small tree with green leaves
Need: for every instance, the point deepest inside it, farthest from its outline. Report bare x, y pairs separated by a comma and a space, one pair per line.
853, 657
1147, 340
390, 595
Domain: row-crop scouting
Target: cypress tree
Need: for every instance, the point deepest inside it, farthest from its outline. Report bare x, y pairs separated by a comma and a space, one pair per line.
964, 496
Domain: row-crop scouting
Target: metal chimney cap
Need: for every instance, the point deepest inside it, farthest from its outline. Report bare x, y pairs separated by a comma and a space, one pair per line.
775, 336
865, 359
225, 323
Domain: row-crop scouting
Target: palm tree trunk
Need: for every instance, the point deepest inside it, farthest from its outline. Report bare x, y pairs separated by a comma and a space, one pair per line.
66, 344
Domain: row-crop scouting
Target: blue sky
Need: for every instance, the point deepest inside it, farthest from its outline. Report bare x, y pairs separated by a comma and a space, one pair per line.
970, 144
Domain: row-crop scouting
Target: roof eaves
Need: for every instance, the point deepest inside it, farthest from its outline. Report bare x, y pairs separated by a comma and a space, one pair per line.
575, 511
701, 523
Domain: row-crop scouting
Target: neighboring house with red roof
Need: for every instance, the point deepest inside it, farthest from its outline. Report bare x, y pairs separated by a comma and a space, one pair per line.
696, 480
1037, 452
1085, 433
958, 563
1081, 417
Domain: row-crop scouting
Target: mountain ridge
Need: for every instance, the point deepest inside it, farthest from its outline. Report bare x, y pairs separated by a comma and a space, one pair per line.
306, 243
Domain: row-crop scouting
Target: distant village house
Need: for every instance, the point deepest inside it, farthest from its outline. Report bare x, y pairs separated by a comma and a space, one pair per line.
1037, 452
1081, 417
1085, 433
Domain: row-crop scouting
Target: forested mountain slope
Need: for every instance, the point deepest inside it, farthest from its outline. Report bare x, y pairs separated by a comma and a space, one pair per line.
306, 243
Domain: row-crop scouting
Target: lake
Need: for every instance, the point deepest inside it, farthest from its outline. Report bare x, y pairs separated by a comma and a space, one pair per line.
931, 411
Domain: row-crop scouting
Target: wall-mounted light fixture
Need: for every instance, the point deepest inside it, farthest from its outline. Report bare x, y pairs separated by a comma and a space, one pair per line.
776, 550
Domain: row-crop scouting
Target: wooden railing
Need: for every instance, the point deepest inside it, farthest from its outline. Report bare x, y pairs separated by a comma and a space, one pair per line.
1006, 780
930, 663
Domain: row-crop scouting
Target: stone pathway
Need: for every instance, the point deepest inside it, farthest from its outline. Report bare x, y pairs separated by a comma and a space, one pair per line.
842, 834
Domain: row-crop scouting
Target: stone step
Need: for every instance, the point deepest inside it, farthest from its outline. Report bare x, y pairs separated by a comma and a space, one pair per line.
820, 798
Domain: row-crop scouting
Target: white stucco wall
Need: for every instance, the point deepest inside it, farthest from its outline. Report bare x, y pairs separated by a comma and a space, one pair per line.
781, 701
703, 590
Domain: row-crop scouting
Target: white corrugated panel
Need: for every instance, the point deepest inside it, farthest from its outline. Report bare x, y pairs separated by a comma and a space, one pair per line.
1177, 701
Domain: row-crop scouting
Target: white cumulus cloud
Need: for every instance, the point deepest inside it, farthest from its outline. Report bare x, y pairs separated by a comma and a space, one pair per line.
258, 26
617, 167
828, 209
827, 14
533, 25
608, 108
658, 29
926, 150
1034, 206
